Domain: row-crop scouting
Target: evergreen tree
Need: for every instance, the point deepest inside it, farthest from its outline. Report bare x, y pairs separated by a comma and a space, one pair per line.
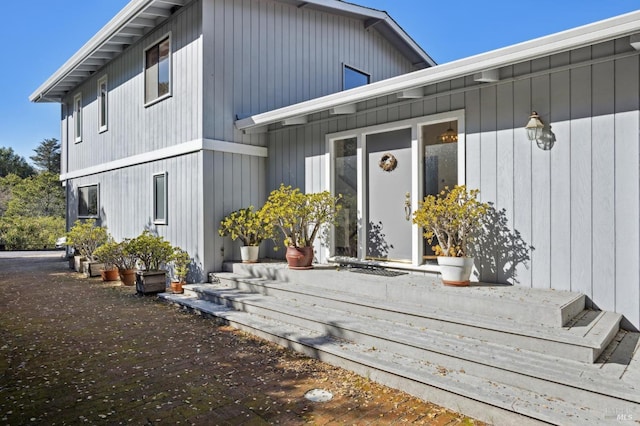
10, 162
47, 158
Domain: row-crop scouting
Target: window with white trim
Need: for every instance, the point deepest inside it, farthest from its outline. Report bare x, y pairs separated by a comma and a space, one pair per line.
157, 71
88, 201
354, 78
160, 198
77, 117
103, 102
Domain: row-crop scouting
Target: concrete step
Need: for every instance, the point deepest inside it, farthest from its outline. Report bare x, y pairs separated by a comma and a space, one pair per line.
488, 392
584, 339
519, 304
414, 340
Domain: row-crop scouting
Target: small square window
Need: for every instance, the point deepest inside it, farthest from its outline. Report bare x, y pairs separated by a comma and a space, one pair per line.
103, 111
77, 116
88, 201
157, 71
354, 78
160, 198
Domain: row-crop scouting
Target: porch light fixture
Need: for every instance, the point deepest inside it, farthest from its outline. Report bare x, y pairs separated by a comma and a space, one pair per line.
534, 127
449, 136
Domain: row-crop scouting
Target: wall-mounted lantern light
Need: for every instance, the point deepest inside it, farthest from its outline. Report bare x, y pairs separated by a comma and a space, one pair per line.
534, 127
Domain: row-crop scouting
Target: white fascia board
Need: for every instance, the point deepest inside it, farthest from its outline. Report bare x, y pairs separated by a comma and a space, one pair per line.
129, 12
375, 14
598, 32
172, 151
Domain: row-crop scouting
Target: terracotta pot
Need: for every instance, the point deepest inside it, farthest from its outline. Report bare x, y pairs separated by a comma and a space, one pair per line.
176, 287
455, 270
249, 254
109, 274
299, 257
127, 276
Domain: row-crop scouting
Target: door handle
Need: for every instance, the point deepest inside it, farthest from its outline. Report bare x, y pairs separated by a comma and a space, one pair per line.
407, 206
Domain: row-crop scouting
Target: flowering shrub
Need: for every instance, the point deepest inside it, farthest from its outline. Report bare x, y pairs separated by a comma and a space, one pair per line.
300, 217
452, 218
248, 225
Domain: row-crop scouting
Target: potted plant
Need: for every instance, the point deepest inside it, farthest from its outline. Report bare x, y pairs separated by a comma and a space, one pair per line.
181, 261
452, 219
125, 261
300, 219
250, 227
152, 252
108, 254
86, 237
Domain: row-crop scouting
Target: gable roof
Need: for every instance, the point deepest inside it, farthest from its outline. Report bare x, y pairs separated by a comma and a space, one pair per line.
139, 17
484, 67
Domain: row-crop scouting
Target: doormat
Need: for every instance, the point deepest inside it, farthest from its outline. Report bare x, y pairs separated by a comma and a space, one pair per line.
378, 271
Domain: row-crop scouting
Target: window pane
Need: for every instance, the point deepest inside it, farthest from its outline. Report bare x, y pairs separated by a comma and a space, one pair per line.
158, 70
346, 183
103, 104
88, 201
159, 190
78, 118
354, 78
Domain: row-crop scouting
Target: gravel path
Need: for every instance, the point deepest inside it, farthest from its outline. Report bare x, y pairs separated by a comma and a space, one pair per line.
75, 350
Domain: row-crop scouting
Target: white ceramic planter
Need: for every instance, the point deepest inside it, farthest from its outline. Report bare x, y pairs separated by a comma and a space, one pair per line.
455, 271
249, 254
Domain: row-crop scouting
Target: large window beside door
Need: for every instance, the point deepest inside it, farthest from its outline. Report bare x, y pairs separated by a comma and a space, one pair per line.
346, 183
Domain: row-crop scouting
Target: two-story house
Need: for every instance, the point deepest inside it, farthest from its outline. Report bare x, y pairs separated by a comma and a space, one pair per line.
149, 105
178, 112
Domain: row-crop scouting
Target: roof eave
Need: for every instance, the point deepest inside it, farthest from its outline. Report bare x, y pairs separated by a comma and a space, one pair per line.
129, 12
598, 32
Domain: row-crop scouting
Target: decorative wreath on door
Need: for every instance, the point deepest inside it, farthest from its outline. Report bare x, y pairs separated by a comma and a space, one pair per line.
388, 162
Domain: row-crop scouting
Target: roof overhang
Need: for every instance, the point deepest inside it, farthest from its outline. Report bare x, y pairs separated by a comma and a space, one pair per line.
140, 16
481, 66
134, 21
377, 20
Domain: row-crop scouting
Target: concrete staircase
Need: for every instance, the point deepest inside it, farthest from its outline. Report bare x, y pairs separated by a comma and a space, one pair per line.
502, 354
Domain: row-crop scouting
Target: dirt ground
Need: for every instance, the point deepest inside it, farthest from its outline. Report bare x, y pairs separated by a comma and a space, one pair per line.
75, 350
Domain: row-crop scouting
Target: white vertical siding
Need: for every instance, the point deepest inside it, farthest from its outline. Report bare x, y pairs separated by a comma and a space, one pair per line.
132, 128
262, 55
577, 204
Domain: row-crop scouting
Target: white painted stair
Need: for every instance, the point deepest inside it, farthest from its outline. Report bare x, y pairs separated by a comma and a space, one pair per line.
498, 353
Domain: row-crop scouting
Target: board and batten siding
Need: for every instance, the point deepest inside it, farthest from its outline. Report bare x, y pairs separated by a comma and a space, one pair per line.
577, 205
126, 202
133, 128
263, 55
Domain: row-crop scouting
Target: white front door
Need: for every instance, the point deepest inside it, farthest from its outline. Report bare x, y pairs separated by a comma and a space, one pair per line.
389, 171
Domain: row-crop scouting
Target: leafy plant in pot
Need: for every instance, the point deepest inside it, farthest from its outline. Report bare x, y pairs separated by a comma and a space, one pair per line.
181, 261
250, 227
453, 218
300, 219
86, 237
108, 254
152, 252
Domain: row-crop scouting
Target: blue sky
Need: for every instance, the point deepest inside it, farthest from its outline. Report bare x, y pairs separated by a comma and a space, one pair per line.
40, 35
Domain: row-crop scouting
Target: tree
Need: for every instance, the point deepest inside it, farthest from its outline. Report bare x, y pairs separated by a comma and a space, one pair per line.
10, 162
37, 196
47, 158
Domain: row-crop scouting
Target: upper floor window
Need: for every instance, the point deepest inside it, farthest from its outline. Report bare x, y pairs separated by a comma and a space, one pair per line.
77, 117
354, 78
157, 71
103, 112
160, 198
88, 201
